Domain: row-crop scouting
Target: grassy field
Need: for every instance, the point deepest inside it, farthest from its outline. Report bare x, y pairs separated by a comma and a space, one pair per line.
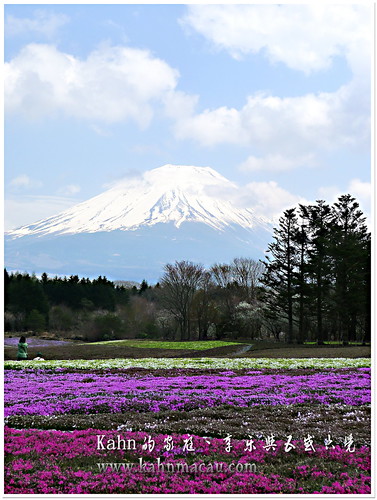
136, 349
160, 344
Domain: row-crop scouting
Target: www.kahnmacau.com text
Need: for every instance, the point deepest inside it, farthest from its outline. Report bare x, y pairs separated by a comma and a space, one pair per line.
177, 467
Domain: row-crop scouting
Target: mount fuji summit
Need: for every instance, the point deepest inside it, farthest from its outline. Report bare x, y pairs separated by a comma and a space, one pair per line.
130, 231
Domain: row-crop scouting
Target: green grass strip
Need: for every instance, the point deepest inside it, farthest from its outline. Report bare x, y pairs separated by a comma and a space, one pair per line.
216, 363
157, 344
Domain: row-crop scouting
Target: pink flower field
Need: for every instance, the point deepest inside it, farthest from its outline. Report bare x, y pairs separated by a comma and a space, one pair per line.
154, 431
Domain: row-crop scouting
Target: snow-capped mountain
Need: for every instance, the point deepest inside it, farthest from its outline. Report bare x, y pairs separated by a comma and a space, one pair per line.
170, 193
139, 224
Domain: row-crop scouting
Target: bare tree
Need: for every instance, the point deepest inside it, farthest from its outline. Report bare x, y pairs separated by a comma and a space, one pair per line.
222, 275
224, 280
178, 286
247, 273
203, 306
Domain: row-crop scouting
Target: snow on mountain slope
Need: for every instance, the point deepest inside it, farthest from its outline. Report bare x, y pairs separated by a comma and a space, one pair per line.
168, 194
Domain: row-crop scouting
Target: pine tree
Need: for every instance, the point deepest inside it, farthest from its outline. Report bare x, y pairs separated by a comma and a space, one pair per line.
143, 287
302, 240
367, 279
7, 281
350, 252
280, 267
319, 219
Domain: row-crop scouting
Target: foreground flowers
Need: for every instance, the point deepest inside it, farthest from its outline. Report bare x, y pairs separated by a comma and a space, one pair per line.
71, 463
234, 427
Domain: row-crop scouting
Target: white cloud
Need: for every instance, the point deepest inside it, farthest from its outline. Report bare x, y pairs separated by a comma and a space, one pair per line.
23, 181
303, 37
113, 84
290, 125
43, 23
269, 199
29, 209
212, 127
179, 104
276, 163
361, 191
101, 131
69, 190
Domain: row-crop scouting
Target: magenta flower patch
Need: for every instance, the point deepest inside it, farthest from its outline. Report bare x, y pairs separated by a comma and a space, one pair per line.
48, 393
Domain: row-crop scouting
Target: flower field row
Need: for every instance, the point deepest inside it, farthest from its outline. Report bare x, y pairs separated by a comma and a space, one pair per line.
316, 420
215, 363
48, 393
271, 427
51, 462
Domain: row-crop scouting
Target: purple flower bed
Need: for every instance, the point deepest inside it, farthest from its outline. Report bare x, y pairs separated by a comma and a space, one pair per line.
35, 342
45, 392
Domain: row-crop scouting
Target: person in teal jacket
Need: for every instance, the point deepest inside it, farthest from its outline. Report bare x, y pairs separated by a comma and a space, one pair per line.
22, 349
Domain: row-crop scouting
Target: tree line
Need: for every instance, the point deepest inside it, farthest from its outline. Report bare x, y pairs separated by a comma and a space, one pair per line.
313, 285
318, 272
44, 303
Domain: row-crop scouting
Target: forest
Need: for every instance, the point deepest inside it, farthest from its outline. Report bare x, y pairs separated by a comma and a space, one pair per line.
314, 285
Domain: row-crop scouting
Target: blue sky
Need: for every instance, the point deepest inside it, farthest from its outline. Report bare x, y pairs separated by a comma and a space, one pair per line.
274, 97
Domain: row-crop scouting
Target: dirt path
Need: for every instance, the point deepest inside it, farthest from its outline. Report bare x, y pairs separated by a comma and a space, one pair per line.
243, 350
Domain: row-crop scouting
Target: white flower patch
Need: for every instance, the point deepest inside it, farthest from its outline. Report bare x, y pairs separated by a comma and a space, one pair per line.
212, 363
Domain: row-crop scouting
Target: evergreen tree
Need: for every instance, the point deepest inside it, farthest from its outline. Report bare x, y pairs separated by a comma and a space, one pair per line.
301, 240
7, 281
367, 293
103, 293
280, 267
350, 252
26, 293
143, 287
318, 219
